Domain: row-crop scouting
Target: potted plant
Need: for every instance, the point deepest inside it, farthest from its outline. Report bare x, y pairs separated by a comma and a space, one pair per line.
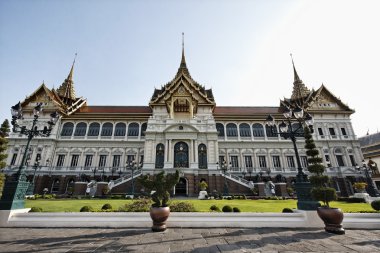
160, 184
360, 187
203, 185
332, 217
290, 191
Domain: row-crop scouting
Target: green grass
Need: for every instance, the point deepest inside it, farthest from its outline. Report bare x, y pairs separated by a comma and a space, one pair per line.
70, 205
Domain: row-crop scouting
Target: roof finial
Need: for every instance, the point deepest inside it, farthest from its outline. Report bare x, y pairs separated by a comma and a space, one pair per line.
183, 61
66, 90
296, 78
70, 76
299, 89
183, 41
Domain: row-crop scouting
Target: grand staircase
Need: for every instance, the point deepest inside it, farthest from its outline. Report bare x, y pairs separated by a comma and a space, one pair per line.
124, 179
239, 180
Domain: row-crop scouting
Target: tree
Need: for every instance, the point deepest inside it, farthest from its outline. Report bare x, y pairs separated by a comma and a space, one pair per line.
320, 190
4, 132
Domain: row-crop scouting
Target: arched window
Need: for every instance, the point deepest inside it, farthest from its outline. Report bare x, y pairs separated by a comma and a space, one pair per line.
202, 156
67, 129
245, 130
160, 155
269, 131
80, 129
55, 186
133, 129
143, 129
107, 129
93, 129
258, 130
220, 129
231, 129
120, 129
181, 155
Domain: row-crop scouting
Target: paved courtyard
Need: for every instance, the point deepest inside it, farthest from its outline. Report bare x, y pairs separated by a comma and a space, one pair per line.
186, 240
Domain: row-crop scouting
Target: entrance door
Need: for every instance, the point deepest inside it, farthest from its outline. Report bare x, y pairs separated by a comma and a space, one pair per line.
181, 155
181, 187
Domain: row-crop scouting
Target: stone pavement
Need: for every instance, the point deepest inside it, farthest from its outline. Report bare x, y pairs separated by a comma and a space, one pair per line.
186, 240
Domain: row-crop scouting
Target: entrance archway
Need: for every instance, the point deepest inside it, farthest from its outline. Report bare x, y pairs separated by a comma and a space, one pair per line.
181, 187
181, 155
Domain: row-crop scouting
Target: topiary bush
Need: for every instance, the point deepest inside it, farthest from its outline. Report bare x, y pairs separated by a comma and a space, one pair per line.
227, 209
86, 209
182, 207
106, 207
320, 191
213, 207
236, 210
35, 209
376, 205
287, 210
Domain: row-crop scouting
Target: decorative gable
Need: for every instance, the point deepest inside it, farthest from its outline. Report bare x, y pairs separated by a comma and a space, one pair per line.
323, 99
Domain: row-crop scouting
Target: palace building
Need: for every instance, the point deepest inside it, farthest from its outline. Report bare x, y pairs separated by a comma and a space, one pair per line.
183, 128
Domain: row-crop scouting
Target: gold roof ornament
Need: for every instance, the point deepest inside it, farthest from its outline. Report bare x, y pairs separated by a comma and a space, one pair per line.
300, 91
66, 91
182, 67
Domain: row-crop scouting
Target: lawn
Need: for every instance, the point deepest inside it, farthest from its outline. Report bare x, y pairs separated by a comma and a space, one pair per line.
70, 205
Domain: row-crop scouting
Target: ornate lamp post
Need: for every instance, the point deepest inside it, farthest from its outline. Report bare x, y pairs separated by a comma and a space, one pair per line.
132, 165
15, 188
224, 169
31, 187
371, 188
288, 131
120, 172
244, 172
94, 171
250, 169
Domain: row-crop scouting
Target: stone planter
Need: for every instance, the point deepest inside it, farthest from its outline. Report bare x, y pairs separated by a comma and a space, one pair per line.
332, 217
159, 216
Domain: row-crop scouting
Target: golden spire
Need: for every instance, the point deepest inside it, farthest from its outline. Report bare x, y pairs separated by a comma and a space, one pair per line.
66, 90
182, 67
299, 88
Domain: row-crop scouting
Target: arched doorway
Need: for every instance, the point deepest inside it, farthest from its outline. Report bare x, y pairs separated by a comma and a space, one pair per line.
181, 187
181, 155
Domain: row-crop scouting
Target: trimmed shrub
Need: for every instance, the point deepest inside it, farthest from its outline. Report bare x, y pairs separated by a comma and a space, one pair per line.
227, 209
86, 209
182, 207
352, 200
35, 209
236, 210
106, 207
117, 196
140, 205
376, 205
213, 207
287, 210
244, 197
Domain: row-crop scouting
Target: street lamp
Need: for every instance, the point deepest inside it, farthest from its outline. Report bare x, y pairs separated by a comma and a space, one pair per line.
250, 170
224, 168
15, 188
288, 131
132, 165
31, 187
371, 189
94, 171
244, 172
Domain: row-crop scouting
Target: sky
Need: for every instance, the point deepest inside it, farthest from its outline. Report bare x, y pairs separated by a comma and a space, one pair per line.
240, 49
